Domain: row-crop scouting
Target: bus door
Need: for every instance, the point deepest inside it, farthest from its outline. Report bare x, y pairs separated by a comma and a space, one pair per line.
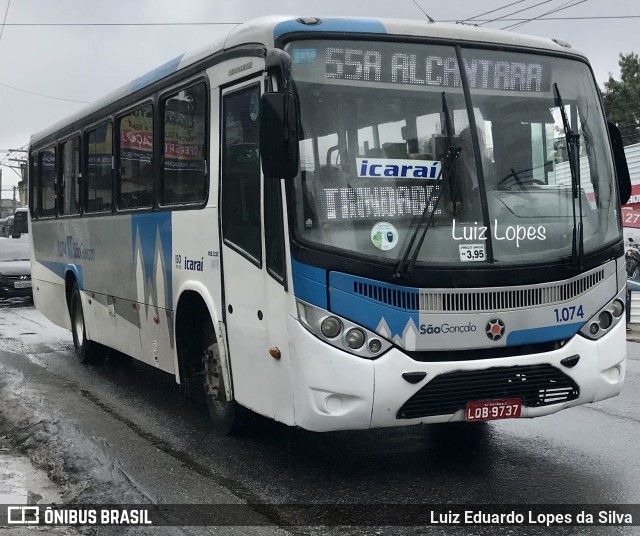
242, 248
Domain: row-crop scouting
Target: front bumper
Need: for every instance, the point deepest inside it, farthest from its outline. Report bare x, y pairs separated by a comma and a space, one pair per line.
7, 290
334, 390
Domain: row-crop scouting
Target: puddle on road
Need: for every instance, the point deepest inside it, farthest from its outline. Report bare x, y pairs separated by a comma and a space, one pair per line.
22, 483
12, 303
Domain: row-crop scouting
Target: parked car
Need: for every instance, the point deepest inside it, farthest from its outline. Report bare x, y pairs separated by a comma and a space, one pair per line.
15, 267
7, 227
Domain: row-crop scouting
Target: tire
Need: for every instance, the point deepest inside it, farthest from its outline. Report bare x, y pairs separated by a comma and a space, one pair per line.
225, 415
84, 348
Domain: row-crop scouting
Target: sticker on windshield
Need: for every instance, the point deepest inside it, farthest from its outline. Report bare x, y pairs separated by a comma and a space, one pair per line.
471, 252
384, 236
397, 168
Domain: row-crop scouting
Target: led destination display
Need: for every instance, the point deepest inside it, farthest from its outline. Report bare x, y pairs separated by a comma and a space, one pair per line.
376, 202
418, 65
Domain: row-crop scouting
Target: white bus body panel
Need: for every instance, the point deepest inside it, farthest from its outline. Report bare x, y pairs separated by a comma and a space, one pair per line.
334, 390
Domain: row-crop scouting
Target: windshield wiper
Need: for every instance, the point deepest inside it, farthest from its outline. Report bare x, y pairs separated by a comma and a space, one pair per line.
514, 176
445, 174
573, 153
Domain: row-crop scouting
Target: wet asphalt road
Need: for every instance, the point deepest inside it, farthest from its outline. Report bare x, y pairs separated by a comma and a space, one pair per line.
141, 426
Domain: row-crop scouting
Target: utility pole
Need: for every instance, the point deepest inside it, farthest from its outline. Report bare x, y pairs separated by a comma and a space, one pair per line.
14, 199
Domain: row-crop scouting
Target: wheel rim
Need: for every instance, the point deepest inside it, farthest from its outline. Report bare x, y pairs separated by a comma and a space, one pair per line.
213, 382
78, 322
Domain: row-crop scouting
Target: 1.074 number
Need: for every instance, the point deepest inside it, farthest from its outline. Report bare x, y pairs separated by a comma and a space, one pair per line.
564, 314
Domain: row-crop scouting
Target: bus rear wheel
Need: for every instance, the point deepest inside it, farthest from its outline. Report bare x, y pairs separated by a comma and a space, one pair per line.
85, 349
224, 413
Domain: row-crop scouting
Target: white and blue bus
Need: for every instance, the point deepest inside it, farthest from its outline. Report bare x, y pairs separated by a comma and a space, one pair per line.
345, 224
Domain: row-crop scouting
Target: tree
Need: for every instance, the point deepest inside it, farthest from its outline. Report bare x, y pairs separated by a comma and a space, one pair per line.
622, 98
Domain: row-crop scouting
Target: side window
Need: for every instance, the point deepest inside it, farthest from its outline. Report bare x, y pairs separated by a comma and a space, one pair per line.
241, 171
135, 158
99, 157
274, 230
48, 182
184, 166
70, 186
34, 186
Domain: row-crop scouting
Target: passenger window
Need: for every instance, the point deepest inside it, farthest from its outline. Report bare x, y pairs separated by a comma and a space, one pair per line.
99, 157
274, 230
34, 187
48, 181
70, 186
184, 169
241, 171
135, 158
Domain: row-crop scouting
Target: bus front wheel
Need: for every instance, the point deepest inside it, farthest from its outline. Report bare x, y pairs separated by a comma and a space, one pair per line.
224, 413
84, 348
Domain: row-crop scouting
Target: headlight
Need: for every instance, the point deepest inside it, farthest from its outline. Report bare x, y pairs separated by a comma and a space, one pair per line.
601, 323
331, 327
340, 332
605, 319
617, 308
354, 338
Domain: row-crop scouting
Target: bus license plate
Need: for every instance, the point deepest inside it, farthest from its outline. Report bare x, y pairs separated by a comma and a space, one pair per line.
490, 410
22, 284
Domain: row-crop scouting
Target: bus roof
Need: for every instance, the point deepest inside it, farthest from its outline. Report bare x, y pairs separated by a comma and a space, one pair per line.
267, 30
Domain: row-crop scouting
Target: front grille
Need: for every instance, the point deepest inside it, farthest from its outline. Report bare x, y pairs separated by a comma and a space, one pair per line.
536, 385
18, 277
479, 300
474, 300
396, 297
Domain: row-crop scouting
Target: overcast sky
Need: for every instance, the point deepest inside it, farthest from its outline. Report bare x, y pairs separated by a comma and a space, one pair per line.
82, 63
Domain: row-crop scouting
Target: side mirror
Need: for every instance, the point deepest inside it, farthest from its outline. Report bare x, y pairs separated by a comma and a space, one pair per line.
279, 148
620, 161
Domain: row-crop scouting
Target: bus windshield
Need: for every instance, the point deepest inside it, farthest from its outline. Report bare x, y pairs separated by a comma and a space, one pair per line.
374, 140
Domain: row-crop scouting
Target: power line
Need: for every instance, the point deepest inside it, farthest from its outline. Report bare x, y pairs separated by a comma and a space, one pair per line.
595, 17
505, 18
123, 23
4, 21
561, 8
494, 10
518, 24
43, 95
518, 11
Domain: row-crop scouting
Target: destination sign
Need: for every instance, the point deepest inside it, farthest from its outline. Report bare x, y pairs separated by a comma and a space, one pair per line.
376, 202
421, 65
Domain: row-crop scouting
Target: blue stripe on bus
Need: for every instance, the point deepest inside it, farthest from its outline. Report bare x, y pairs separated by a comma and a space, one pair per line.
370, 314
156, 74
309, 283
149, 227
330, 25
550, 333
61, 269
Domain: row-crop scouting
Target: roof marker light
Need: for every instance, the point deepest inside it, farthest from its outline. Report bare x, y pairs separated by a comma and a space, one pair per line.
310, 21
562, 43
